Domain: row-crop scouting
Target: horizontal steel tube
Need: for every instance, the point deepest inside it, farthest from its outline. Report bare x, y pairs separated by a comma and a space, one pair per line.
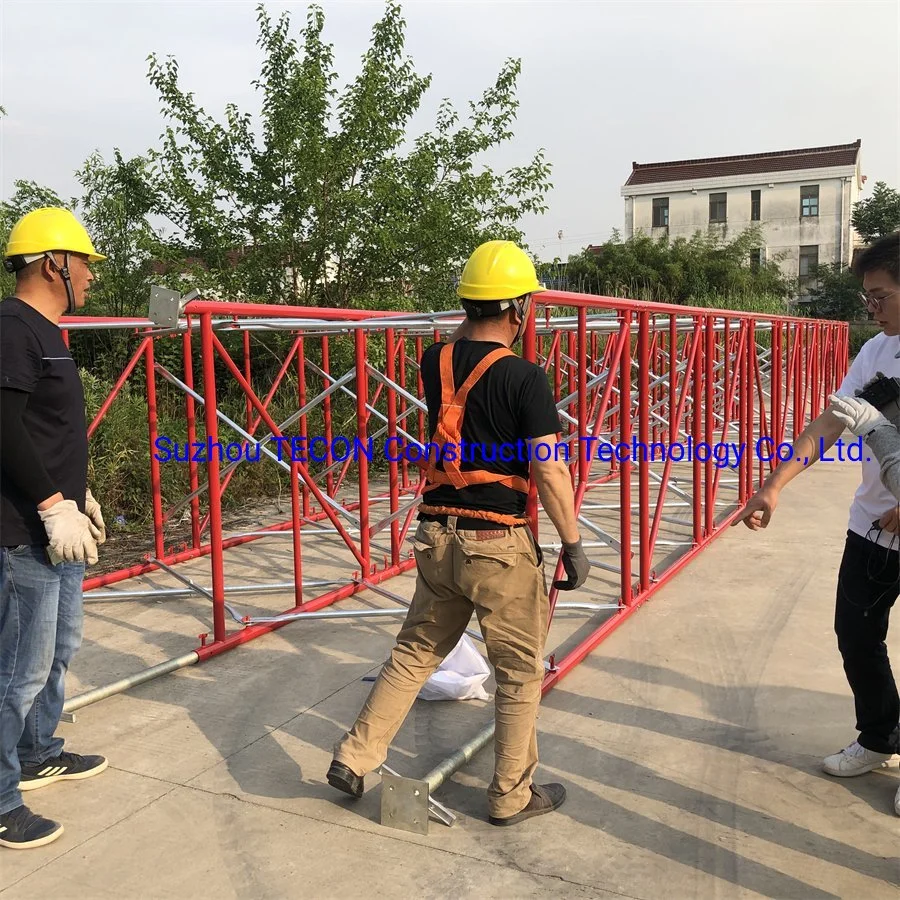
328, 614
117, 687
379, 613
173, 593
441, 772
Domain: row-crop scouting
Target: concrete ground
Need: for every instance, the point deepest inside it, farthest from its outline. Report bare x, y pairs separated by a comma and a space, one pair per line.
690, 743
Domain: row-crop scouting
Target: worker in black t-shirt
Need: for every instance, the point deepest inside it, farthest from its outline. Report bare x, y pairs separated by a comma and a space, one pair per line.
474, 548
50, 524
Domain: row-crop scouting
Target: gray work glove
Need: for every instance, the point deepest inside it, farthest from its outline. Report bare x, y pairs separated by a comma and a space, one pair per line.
856, 414
95, 514
73, 536
577, 567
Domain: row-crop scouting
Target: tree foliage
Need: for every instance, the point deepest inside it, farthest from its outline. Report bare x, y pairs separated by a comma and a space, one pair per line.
329, 203
836, 295
877, 215
115, 206
691, 271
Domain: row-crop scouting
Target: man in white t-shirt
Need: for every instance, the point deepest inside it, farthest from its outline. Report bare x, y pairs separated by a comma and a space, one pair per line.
869, 575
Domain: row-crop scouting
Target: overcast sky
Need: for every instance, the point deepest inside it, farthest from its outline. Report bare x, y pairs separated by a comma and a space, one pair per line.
603, 83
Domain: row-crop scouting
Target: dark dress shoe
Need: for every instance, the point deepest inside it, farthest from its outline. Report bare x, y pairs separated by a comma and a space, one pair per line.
344, 779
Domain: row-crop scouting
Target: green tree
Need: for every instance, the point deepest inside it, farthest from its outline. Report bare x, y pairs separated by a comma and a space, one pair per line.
877, 215
835, 295
703, 270
331, 203
116, 202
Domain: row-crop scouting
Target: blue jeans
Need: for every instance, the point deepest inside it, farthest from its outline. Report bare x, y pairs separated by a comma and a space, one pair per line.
41, 617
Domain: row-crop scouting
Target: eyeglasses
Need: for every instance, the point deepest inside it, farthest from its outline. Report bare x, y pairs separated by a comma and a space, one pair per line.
873, 304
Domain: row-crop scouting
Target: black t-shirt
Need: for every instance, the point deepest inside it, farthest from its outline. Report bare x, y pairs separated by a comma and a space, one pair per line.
34, 359
510, 403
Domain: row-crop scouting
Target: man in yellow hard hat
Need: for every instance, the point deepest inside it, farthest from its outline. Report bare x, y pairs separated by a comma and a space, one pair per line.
50, 525
474, 548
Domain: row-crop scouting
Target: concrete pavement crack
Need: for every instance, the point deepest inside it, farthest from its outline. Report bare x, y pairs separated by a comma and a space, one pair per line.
398, 838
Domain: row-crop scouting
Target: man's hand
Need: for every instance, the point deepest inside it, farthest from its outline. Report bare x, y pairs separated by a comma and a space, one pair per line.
73, 536
577, 567
858, 415
758, 511
890, 521
95, 514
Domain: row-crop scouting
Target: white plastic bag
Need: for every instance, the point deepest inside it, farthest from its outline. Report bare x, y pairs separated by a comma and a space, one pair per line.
460, 676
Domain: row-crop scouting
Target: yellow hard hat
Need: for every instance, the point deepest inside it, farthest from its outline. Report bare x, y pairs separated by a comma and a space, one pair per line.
50, 228
498, 270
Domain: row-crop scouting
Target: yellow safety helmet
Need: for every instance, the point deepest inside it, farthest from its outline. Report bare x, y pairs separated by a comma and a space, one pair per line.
46, 229
498, 270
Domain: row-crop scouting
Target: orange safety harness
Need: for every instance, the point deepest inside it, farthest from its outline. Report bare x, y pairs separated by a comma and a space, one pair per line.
449, 431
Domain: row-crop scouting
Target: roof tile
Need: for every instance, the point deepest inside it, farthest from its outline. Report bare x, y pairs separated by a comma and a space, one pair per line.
717, 167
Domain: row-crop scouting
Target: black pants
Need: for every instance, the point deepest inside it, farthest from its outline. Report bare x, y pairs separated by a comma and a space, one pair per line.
868, 585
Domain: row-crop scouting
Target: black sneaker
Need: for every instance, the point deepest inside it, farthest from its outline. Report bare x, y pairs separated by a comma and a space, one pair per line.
66, 766
21, 829
544, 798
345, 779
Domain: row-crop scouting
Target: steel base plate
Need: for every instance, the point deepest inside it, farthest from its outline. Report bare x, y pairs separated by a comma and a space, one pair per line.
404, 803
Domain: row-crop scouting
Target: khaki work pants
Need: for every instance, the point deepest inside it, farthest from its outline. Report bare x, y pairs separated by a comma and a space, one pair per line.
499, 574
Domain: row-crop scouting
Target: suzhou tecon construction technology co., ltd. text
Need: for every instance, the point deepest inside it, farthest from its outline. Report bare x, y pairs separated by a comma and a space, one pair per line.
722, 454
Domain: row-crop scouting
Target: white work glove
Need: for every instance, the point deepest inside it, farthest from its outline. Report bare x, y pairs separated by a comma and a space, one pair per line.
73, 536
94, 513
858, 415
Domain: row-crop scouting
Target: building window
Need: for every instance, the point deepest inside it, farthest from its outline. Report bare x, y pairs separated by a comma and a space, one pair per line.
754, 206
717, 207
809, 200
660, 212
757, 258
809, 261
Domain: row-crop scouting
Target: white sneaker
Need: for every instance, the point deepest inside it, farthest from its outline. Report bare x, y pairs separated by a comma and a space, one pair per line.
855, 760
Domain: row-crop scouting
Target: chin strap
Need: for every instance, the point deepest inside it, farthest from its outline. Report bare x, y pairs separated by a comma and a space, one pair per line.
67, 280
522, 309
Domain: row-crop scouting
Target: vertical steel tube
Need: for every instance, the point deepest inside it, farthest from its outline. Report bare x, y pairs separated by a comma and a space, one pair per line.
582, 393
191, 416
644, 399
747, 408
798, 379
673, 378
420, 387
152, 428
362, 398
391, 373
210, 408
625, 467
775, 383
709, 409
296, 540
248, 375
326, 411
302, 426
401, 365
696, 431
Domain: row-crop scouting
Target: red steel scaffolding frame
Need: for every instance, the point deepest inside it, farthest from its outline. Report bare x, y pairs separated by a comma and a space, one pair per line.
621, 371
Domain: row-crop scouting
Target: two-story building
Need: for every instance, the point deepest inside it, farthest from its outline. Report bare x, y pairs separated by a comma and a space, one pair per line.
801, 200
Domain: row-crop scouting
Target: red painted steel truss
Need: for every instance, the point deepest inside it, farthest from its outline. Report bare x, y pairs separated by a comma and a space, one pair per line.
621, 371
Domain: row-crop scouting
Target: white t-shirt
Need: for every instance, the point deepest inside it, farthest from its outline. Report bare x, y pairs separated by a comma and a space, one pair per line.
872, 498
